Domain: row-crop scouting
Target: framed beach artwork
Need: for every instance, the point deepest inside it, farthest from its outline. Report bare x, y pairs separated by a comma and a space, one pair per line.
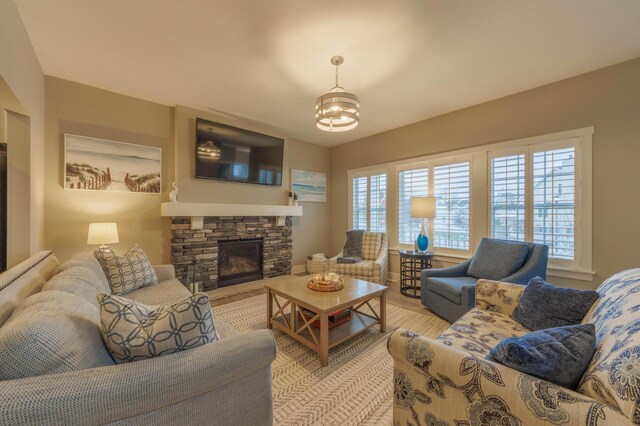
310, 186
94, 164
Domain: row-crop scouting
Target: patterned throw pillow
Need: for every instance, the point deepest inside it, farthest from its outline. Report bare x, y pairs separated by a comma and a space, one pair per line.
126, 273
133, 331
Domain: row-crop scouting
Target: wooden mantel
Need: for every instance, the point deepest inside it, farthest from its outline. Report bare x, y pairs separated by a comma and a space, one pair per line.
198, 211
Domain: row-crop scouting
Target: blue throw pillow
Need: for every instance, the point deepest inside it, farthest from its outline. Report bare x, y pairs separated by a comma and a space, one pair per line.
544, 305
559, 355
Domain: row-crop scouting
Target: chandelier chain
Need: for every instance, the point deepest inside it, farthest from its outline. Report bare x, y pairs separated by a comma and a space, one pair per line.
337, 85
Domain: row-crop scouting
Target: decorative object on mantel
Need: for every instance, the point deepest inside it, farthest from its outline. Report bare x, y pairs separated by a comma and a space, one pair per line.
104, 165
198, 211
173, 195
423, 207
103, 234
309, 186
290, 198
325, 282
295, 199
337, 111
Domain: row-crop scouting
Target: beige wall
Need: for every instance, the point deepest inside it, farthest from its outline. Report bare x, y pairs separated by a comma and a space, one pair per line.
608, 99
79, 109
83, 110
22, 92
309, 231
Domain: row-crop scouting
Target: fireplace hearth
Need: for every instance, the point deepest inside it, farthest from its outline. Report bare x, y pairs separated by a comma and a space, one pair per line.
239, 261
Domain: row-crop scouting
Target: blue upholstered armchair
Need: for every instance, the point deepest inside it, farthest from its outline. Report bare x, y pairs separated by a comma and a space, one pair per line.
450, 292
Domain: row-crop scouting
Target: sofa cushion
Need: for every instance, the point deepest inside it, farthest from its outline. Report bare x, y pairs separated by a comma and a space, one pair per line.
371, 244
479, 331
134, 331
90, 263
128, 272
363, 269
51, 332
558, 355
544, 305
77, 280
449, 287
613, 377
160, 294
496, 260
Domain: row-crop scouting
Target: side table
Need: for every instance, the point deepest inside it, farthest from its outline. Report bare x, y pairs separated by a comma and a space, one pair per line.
411, 264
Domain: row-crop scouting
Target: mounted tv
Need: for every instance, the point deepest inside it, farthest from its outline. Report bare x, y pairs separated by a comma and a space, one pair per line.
227, 153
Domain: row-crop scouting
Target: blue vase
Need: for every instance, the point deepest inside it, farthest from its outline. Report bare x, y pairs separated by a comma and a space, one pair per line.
423, 242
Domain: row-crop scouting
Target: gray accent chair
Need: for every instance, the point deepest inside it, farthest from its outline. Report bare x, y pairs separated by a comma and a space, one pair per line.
450, 292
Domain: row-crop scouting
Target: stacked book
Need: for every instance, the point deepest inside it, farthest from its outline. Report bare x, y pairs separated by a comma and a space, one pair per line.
335, 319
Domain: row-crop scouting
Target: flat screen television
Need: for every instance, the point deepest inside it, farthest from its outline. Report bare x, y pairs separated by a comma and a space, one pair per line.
232, 154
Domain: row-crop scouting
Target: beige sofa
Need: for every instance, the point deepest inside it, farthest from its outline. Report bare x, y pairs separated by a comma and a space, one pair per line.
375, 260
447, 381
54, 370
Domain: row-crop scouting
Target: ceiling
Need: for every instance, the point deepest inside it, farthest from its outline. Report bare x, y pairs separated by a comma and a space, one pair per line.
268, 61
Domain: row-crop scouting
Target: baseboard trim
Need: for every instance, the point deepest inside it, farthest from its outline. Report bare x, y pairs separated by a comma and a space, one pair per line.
298, 269
393, 277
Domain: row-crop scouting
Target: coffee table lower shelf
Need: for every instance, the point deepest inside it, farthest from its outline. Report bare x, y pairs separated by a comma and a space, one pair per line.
359, 323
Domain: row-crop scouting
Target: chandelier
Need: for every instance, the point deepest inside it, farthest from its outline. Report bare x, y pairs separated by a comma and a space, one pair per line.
337, 111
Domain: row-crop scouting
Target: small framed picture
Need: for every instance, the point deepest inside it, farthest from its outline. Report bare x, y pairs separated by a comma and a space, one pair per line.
309, 186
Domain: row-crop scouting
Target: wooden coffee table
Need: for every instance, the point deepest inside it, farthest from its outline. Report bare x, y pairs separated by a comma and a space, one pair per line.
356, 294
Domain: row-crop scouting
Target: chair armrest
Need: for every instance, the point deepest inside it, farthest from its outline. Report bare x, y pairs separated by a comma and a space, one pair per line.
116, 392
164, 272
459, 270
498, 296
446, 384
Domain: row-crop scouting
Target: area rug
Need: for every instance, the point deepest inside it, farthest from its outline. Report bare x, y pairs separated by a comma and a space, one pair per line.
354, 389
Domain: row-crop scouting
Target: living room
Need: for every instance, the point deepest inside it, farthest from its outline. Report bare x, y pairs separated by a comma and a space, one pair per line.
446, 104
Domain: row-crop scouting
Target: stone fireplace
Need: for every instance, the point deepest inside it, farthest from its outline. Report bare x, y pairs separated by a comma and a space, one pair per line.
207, 255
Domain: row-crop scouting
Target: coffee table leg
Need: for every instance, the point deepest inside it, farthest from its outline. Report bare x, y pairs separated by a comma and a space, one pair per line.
269, 308
324, 340
383, 312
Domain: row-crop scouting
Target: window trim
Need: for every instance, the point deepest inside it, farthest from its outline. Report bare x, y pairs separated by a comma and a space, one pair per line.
480, 190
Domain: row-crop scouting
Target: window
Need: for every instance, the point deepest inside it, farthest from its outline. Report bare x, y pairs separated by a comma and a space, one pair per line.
359, 219
411, 183
537, 189
554, 201
378, 203
508, 197
369, 203
549, 189
451, 187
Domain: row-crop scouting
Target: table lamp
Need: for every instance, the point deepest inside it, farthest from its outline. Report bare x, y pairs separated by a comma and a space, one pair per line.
103, 234
423, 207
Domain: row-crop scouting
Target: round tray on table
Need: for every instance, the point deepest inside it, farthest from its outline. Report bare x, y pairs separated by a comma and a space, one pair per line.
322, 285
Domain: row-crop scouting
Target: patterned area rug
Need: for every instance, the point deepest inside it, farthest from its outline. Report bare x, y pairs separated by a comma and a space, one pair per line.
356, 387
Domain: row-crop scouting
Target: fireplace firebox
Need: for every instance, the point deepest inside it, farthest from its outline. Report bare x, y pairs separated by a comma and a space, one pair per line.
239, 261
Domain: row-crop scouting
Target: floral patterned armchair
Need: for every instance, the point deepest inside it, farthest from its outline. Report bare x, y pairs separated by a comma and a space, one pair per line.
447, 381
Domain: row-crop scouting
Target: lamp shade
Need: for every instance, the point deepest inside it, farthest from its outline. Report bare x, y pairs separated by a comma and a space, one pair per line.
103, 233
423, 207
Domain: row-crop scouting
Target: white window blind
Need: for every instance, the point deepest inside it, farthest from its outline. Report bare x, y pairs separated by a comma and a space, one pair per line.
507, 200
554, 201
451, 187
359, 203
411, 183
378, 203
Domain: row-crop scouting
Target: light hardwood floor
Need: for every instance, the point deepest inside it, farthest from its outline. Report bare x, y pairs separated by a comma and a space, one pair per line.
222, 296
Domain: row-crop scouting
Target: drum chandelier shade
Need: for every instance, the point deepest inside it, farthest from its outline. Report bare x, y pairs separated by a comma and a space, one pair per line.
337, 111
